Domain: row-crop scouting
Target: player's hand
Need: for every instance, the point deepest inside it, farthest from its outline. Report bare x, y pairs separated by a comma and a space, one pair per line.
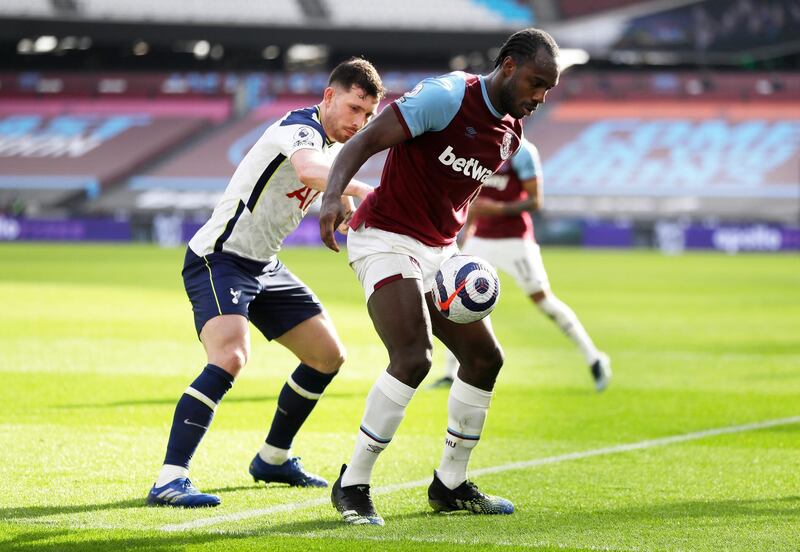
348, 208
331, 215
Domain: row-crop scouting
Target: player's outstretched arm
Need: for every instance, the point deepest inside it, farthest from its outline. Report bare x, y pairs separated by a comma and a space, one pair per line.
484, 207
312, 170
382, 133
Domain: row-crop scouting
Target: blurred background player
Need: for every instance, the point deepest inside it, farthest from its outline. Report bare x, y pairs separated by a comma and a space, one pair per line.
232, 274
499, 229
447, 136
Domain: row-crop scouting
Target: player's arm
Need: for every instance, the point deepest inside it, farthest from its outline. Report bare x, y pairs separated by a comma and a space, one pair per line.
467, 231
528, 168
535, 192
382, 133
312, 170
484, 207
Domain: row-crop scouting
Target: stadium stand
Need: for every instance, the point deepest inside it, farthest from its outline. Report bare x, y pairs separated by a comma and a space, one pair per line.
621, 147
716, 26
182, 141
27, 8
68, 138
417, 14
285, 12
579, 8
445, 14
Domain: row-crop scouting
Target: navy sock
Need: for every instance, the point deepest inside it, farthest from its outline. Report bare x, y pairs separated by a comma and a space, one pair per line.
296, 401
194, 412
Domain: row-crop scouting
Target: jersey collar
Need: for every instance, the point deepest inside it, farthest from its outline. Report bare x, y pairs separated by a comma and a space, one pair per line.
486, 98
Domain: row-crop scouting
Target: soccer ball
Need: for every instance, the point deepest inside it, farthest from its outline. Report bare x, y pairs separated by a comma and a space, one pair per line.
466, 288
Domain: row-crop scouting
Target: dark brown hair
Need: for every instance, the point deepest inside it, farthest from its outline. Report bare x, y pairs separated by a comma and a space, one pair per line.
358, 72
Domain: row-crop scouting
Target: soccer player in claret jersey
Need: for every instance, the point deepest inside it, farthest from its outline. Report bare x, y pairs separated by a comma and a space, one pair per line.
232, 275
446, 137
499, 229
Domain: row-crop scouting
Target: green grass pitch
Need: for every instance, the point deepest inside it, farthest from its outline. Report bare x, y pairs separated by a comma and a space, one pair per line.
97, 343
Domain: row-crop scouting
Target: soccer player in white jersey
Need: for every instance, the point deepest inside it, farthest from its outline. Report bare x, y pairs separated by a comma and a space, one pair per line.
232, 275
499, 229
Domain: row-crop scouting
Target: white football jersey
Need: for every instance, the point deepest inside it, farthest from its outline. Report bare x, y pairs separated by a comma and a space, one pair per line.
265, 201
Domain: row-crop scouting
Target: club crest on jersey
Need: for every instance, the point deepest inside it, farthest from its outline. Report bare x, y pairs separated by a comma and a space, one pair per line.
505, 147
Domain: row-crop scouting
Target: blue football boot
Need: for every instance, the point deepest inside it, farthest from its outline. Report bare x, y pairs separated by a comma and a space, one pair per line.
465, 497
290, 472
180, 493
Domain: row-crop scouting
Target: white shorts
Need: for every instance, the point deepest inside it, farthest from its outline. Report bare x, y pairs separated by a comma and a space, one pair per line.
520, 258
379, 257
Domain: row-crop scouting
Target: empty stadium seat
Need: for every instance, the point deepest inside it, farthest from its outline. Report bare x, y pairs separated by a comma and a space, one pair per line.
444, 14
251, 12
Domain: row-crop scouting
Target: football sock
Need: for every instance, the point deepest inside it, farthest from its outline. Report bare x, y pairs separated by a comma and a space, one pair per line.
466, 414
386, 406
297, 399
450, 364
564, 316
273, 455
194, 413
170, 473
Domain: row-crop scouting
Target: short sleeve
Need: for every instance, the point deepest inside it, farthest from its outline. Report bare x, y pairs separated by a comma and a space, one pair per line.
432, 104
526, 162
298, 130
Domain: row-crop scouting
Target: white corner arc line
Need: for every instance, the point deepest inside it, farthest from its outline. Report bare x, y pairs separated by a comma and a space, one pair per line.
615, 449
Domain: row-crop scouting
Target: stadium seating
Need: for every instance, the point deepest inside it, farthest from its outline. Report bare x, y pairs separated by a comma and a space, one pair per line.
444, 14
27, 8
578, 8
189, 142
58, 150
411, 14
250, 12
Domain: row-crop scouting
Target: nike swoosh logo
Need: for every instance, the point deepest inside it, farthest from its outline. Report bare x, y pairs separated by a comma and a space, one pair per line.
445, 305
187, 422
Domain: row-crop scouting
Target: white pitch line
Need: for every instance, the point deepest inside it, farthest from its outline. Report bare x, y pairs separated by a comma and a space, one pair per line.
450, 540
627, 447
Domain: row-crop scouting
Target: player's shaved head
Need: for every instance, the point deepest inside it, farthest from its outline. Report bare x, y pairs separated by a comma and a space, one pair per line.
358, 72
528, 44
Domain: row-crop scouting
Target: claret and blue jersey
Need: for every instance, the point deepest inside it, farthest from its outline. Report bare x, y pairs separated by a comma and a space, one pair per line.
456, 140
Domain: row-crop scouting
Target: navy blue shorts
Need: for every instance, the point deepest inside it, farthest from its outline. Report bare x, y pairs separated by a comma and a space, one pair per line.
267, 294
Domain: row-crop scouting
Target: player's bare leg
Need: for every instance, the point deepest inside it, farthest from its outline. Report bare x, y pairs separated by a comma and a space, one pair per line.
321, 354
598, 362
450, 371
400, 317
226, 339
480, 358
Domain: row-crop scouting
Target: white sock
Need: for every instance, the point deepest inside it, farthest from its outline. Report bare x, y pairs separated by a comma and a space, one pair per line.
170, 473
466, 414
564, 316
386, 406
450, 364
273, 455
